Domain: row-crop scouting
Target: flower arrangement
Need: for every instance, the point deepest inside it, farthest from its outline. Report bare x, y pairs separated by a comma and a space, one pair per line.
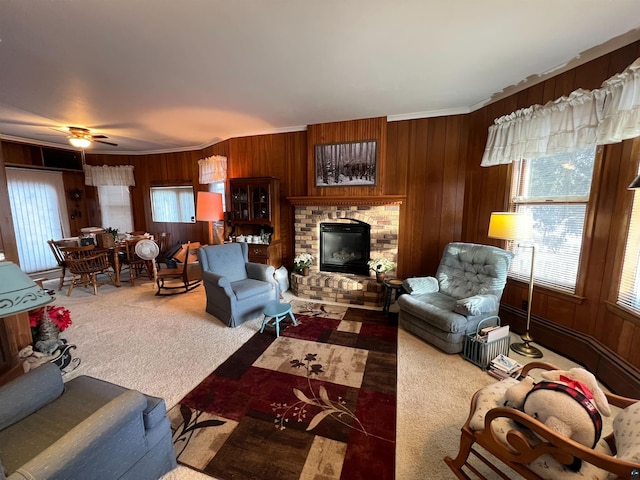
381, 265
59, 317
112, 231
303, 260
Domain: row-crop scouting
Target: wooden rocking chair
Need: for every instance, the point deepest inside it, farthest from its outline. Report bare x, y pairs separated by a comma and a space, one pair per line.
548, 455
182, 279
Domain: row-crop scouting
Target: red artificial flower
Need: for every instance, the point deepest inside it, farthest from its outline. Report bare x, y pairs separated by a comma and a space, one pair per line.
60, 316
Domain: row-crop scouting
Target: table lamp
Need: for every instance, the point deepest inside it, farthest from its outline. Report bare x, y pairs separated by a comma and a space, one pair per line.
209, 209
18, 293
516, 226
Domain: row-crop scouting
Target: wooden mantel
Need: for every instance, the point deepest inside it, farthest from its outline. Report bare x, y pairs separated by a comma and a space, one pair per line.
339, 200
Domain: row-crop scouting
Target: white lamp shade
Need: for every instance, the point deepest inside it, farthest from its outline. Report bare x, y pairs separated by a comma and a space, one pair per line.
18, 293
511, 226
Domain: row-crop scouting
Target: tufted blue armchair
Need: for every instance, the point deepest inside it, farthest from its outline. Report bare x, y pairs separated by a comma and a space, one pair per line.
466, 289
237, 290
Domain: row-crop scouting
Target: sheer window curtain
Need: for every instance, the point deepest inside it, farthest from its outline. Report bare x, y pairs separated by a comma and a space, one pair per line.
212, 169
97, 176
39, 210
113, 184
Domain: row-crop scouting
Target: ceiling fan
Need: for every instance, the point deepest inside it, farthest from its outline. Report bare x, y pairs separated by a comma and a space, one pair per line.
81, 137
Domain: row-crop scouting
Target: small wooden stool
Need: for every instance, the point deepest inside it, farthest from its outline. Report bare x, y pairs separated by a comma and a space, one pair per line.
277, 312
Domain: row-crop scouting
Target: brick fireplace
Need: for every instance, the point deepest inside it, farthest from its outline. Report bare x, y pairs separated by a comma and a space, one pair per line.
382, 213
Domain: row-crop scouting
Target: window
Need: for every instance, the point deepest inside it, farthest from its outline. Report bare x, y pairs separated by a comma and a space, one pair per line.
173, 204
629, 289
218, 187
115, 207
555, 190
39, 214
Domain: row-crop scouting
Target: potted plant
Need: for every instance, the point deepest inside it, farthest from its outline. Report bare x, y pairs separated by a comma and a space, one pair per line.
380, 266
302, 263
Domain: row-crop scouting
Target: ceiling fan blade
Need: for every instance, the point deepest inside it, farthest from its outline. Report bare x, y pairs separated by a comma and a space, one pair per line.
99, 136
106, 143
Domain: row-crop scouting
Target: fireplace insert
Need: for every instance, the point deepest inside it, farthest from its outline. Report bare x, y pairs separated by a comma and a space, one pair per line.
344, 247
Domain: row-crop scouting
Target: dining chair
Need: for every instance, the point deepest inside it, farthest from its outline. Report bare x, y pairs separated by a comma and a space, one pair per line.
58, 255
84, 263
133, 262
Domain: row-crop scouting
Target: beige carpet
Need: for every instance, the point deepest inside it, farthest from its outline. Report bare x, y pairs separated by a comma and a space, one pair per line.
165, 346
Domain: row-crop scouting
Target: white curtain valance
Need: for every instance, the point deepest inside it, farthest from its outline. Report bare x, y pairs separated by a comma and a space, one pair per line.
106, 175
212, 169
619, 104
581, 120
565, 124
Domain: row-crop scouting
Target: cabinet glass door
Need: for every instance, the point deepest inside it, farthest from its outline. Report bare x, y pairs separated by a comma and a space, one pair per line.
260, 203
239, 203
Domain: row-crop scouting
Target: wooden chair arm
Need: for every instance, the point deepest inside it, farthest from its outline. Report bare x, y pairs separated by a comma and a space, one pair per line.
520, 450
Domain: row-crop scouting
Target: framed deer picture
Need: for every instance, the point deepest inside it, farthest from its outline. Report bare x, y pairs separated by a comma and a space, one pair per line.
346, 164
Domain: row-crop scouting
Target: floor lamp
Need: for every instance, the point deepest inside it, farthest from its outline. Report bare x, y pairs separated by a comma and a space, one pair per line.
515, 226
209, 209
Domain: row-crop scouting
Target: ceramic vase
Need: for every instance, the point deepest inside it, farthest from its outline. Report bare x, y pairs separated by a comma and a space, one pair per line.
305, 271
379, 277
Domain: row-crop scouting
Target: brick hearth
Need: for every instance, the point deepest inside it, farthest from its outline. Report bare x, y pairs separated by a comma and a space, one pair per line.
338, 287
382, 213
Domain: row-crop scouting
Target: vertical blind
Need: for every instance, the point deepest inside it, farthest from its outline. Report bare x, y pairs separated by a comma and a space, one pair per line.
39, 214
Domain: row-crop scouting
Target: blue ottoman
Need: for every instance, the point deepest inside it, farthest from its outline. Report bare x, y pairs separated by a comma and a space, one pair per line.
274, 313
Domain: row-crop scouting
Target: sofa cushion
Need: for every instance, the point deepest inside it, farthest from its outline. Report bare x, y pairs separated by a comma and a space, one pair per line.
29, 393
250, 288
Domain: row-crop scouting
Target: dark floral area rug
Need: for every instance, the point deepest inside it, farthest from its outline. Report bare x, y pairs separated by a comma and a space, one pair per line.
317, 403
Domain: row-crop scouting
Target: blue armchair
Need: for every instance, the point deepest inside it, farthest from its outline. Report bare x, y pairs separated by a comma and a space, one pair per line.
465, 290
86, 428
237, 290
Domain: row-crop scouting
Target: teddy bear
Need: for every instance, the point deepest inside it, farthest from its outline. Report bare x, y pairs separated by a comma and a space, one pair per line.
569, 402
32, 358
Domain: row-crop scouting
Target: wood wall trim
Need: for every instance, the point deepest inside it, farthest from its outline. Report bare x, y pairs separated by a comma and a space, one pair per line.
356, 201
610, 369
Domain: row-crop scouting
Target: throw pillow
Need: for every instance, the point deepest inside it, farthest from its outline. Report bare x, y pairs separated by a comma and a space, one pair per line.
193, 256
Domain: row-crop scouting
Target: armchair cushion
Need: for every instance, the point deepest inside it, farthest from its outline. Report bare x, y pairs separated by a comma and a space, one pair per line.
476, 305
249, 287
418, 285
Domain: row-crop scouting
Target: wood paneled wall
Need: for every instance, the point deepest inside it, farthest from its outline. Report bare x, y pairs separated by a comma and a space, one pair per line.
435, 164
591, 310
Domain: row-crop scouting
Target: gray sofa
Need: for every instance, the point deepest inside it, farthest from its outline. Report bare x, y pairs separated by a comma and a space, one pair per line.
83, 429
237, 290
466, 289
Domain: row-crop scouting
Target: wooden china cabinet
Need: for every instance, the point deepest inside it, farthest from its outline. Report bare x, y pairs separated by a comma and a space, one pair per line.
254, 204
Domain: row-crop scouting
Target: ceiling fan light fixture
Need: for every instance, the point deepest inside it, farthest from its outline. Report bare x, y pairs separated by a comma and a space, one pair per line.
79, 142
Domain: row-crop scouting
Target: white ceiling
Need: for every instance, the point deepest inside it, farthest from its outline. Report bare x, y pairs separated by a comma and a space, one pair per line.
161, 75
